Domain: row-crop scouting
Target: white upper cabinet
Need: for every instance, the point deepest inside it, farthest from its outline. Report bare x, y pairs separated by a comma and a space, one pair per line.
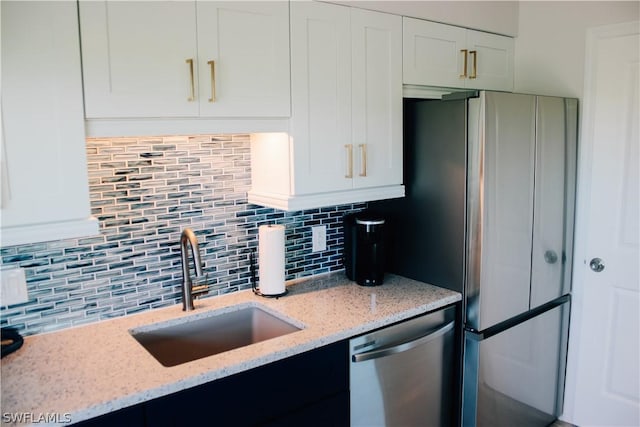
376, 111
134, 58
346, 122
443, 55
345, 139
490, 62
321, 97
185, 59
45, 188
432, 53
243, 51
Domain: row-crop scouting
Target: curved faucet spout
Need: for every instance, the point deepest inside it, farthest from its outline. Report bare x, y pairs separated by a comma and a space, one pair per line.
188, 237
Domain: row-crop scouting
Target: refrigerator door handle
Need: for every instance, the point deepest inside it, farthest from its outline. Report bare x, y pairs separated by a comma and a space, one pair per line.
514, 321
407, 345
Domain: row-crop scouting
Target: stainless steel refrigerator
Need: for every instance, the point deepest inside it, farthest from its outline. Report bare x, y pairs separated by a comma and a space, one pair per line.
490, 184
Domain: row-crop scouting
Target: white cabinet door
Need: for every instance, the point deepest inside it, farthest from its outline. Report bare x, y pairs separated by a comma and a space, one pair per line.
320, 98
492, 62
243, 50
345, 139
376, 98
433, 54
443, 55
134, 58
45, 189
151, 59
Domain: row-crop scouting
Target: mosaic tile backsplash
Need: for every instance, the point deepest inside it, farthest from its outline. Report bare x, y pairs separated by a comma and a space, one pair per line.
145, 191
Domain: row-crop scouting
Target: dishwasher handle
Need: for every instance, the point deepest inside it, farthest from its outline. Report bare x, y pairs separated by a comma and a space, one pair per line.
407, 345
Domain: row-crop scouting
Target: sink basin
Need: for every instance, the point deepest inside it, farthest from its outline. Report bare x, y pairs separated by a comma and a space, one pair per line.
195, 337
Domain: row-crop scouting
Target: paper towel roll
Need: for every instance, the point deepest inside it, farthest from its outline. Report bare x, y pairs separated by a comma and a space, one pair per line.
271, 259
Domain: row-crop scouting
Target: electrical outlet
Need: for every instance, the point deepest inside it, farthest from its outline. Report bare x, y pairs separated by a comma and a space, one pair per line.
319, 238
14, 287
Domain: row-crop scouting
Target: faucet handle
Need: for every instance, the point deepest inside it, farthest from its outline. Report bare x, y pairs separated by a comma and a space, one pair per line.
199, 290
200, 285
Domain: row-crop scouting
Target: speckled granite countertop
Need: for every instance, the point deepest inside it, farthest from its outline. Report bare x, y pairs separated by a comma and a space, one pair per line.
80, 373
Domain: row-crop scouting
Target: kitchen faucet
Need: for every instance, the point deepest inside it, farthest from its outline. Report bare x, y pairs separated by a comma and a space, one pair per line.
188, 290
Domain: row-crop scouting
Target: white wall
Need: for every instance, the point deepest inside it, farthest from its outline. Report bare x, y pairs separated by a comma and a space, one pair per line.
550, 47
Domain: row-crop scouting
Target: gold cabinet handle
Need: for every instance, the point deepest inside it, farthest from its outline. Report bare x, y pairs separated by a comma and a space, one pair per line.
212, 68
474, 74
349, 149
363, 159
193, 89
464, 67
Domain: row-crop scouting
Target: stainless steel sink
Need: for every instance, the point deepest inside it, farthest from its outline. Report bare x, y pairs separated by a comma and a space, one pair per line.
196, 336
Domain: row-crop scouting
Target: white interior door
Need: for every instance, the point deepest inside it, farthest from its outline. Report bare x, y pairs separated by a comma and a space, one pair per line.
603, 386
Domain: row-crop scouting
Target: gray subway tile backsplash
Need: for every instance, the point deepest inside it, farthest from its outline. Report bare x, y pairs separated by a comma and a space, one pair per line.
144, 191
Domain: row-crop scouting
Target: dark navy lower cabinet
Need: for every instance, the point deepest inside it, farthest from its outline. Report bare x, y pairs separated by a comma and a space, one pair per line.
132, 416
310, 389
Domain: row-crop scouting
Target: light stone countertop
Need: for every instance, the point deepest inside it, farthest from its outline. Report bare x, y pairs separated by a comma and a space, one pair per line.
83, 372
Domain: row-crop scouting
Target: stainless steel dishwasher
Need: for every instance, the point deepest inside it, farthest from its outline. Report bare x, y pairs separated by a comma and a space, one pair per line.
403, 375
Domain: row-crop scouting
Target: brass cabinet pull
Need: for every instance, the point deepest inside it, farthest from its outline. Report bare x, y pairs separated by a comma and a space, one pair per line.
363, 159
212, 67
464, 67
475, 64
193, 89
349, 149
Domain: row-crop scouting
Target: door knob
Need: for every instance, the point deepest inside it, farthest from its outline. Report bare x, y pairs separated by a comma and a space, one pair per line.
596, 265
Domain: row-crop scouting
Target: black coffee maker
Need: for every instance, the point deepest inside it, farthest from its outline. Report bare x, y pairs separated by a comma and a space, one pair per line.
364, 248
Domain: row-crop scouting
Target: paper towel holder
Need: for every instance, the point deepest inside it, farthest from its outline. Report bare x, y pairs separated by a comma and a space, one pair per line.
254, 282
